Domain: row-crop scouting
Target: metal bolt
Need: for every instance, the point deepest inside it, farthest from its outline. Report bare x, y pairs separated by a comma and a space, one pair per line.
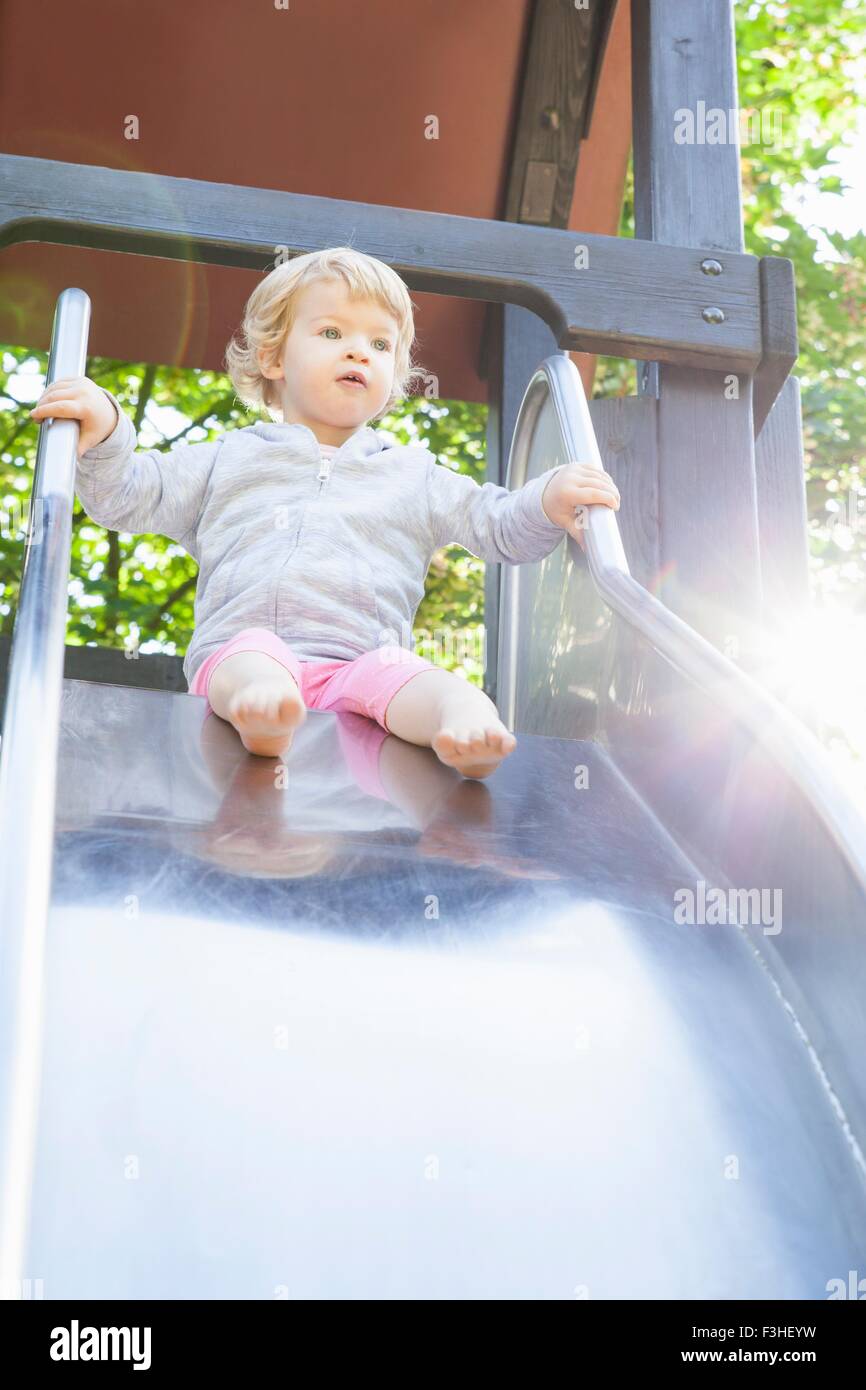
713, 315
711, 267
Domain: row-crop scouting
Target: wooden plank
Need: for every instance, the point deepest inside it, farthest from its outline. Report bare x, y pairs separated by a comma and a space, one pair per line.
778, 334
110, 666
782, 510
684, 61
625, 427
630, 299
519, 342
687, 192
563, 51
497, 446
708, 534
607, 10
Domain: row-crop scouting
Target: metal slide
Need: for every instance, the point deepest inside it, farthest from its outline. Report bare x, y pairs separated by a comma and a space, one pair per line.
429, 1037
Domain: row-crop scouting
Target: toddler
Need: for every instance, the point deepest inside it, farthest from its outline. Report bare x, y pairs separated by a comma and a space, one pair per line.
313, 532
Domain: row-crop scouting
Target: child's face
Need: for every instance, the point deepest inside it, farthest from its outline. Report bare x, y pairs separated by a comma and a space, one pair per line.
332, 335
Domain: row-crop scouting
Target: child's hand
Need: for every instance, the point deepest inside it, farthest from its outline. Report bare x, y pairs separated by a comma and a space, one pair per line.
78, 398
577, 485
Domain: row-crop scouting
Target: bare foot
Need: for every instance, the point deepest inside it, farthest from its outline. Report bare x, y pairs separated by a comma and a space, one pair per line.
447, 841
266, 714
474, 746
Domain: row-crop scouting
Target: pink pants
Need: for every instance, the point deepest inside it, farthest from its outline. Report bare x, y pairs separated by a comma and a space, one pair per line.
363, 686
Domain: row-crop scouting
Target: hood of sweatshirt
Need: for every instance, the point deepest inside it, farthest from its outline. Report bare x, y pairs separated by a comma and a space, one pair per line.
362, 444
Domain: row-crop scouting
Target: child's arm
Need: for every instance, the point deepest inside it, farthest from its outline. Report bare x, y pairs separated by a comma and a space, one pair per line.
507, 527
124, 489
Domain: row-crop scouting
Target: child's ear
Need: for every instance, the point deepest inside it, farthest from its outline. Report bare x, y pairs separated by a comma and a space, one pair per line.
269, 362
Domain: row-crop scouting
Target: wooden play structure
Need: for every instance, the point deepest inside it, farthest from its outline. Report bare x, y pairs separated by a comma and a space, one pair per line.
429, 1040
497, 202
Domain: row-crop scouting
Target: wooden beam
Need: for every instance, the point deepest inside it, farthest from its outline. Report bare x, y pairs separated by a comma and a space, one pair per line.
561, 56
778, 334
683, 61
626, 430
563, 52
630, 298
110, 666
519, 342
687, 193
782, 510
606, 11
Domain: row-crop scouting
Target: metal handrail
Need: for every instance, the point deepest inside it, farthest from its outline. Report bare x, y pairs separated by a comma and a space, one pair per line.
28, 773
789, 742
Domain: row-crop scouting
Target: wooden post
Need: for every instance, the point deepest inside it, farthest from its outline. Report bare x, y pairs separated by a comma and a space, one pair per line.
782, 510
518, 342
625, 427
687, 193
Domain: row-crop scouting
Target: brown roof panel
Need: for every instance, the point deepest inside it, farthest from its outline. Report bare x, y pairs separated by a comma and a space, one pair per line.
324, 97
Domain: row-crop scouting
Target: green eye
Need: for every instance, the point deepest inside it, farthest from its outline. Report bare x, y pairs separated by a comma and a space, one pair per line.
386, 346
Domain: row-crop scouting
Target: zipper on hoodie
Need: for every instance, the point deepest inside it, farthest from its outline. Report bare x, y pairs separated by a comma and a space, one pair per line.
323, 474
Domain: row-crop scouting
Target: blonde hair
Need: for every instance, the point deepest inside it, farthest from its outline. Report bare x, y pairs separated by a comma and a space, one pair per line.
271, 309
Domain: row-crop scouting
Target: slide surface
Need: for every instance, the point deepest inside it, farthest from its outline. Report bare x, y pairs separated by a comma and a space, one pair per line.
407, 1036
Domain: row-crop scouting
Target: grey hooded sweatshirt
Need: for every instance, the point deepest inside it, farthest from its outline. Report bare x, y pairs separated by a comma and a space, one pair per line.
330, 554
